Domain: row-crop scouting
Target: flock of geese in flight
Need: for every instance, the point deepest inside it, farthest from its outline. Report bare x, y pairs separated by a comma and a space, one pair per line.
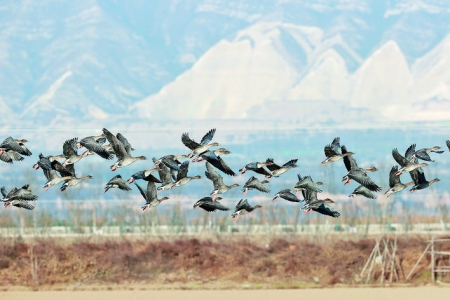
173, 173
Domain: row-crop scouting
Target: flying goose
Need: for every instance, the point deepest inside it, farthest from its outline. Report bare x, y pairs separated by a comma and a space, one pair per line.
150, 196
276, 170
197, 148
254, 183
243, 208
313, 204
209, 205
217, 179
122, 148
117, 182
333, 152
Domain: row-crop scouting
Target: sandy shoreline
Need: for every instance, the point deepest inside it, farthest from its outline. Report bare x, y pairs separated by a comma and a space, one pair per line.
366, 293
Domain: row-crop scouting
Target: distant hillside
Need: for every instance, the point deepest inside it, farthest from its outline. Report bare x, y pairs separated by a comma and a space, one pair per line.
97, 63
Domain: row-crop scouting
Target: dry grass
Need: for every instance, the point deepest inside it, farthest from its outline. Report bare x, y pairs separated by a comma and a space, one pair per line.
279, 263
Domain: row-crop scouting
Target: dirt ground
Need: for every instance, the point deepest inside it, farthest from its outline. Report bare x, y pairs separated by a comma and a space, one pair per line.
431, 292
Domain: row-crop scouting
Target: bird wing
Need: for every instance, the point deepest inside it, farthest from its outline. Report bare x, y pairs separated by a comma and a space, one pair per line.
6, 158
329, 152
10, 143
262, 171
70, 171
117, 145
164, 174
309, 196
152, 178
188, 142
287, 195
306, 183
273, 166
49, 174
399, 158
23, 204
26, 197
335, 145
90, 144
14, 155
115, 179
125, 143
217, 162
349, 161
3, 191
290, 163
170, 163
44, 162
328, 211
362, 178
69, 147
393, 179
259, 186
151, 192
362, 190
26, 151
184, 168
423, 156
57, 166
208, 137
421, 176
213, 205
250, 181
410, 152
143, 192
240, 205
212, 175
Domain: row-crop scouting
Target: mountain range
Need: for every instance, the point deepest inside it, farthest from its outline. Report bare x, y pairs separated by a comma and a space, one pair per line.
104, 63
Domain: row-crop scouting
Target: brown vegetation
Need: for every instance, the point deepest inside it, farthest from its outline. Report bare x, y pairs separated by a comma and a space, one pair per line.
282, 262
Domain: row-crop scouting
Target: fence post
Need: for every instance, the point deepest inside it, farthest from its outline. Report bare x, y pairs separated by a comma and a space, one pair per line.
433, 279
